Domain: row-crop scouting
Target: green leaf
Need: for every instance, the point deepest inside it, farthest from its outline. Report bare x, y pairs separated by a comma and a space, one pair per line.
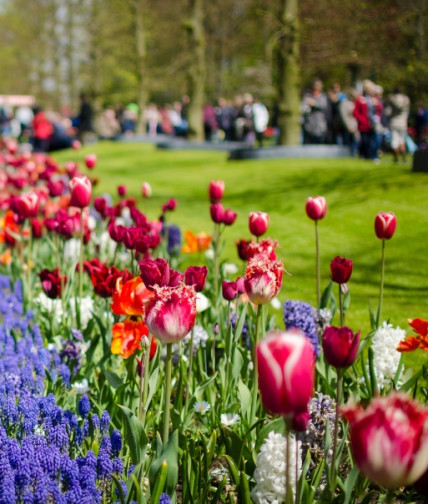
409, 383
244, 489
326, 296
168, 453
350, 483
113, 379
245, 397
160, 483
232, 469
277, 425
135, 436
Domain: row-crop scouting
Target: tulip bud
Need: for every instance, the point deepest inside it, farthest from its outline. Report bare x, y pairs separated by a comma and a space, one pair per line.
286, 363
316, 207
340, 346
341, 269
91, 161
385, 224
258, 223
229, 290
121, 190
216, 191
229, 217
240, 284
389, 440
217, 213
242, 247
196, 276
158, 272
56, 188
27, 205
81, 192
146, 190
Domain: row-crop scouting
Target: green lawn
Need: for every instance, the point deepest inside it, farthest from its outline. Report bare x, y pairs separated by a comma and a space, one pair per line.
355, 191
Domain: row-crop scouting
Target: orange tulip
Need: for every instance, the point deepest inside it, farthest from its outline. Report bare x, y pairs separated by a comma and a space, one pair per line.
196, 243
129, 297
127, 336
412, 343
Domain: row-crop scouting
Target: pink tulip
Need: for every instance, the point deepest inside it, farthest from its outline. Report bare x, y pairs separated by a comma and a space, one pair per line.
81, 191
340, 346
258, 223
316, 207
121, 190
264, 247
171, 312
263, 279
229, 217
76, 145
217, 213
196, 276
91, 161
286, 364
146, 190
157, 273
229, 290
216, 191
389, 439
385, 224
27, 205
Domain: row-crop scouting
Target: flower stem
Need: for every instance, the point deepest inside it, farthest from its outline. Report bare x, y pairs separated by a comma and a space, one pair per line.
288, 498
342, 315
146, 380
335, 433
216, 261
167, 392
189, 388
228, 346
317, 249
389, 499
81, 256
382, 278
256, 367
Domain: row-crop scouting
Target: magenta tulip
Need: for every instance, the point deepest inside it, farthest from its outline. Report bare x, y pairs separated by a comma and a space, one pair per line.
27, 205
229, 217
122, 190
258, 223
157, 273
340, 346
341, 269
286, 363
91, 161
263, 279
81, 192
389, 440
216, 191
316, 207
171, 312
229, 290
196, 276
385, 224
217, 213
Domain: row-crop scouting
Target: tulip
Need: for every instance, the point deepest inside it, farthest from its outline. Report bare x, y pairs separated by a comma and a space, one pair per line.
340, 346
216, 191
229, 290
127, 336
242, 246
52, 282
264, 247
258, 223
196, 276
240, 285
217, 213
286, 363
56, 187
146, 190
27, 205
229, 217
263, 279
385, 224
389, 440
171, 312
316, 208
341, 270
170, 205
81, 192
76, 145
121, 190
157, 272
91, 161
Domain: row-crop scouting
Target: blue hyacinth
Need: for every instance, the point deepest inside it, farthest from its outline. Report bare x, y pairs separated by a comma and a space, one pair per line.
300, 315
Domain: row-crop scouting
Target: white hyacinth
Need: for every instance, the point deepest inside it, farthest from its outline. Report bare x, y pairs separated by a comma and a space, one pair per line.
81, 387
386, 358
270, 469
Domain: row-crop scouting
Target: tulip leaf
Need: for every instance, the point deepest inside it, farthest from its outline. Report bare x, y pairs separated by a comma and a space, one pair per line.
113, 379
326, 296
346, 301
277, 425
409, 383
350, 483
135, 436
244, 489
166, 453
245, 397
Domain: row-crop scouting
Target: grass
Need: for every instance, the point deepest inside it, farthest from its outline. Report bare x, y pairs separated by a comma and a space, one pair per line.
355, 191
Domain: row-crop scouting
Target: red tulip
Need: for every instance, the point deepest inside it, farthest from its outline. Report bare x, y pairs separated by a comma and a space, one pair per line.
81, 192
146, 190
242, 246
340, 346
263, 279
217, 213
229, 290
389, 439
56, 187
341, 269
170, 205
196, 276
286, 363
157, 272
171, 312
258, 223
91, 161
52, 282
216, 191
121, 190
385, 224
27, 205
316, 207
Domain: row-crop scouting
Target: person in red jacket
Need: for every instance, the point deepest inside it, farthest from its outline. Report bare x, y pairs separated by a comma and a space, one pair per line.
42, 130
367, 112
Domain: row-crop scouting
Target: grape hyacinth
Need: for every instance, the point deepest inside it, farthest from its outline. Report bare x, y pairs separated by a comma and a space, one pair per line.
300, 315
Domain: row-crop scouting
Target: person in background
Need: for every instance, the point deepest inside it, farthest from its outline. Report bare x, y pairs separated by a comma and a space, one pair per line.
210, 122
398, 114
314, 106
42, 131
85, 117
421, 122
365, 114
350, 133
260, 119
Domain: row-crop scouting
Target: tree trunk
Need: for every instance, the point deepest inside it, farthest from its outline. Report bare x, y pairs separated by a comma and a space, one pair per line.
288, 73
197, 66
140, 38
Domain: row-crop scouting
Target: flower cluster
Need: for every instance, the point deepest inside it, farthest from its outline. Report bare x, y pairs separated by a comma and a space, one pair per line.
301, 315
386, 358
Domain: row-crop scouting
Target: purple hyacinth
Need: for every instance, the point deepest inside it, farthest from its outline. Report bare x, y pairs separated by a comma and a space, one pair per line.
300, 315
84, 406
164, 499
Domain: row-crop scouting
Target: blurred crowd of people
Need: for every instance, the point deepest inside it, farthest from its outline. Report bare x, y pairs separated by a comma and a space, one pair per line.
364, 120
